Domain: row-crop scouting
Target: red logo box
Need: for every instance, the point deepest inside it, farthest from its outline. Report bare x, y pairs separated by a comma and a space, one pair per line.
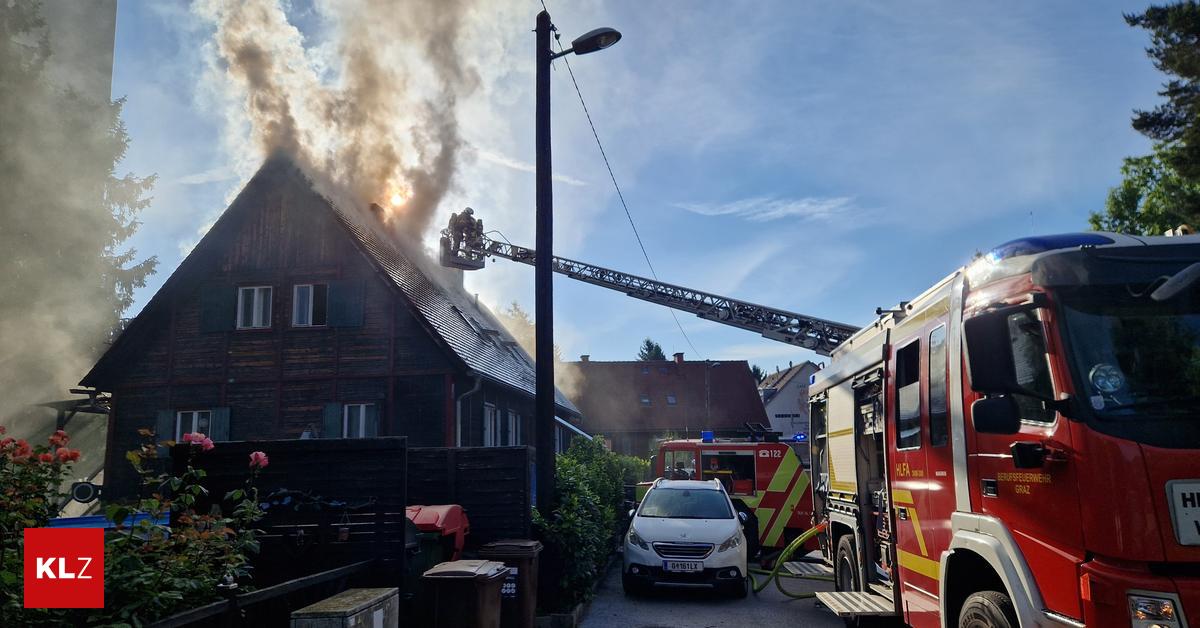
64, 568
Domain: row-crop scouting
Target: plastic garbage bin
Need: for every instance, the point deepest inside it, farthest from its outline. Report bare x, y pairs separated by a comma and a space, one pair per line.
519, 594
445, 525
466, 593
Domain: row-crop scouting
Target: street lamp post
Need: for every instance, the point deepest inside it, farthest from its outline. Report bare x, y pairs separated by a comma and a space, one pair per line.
544, 405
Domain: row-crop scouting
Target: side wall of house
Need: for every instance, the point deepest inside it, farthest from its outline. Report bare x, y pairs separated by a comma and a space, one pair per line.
277, 382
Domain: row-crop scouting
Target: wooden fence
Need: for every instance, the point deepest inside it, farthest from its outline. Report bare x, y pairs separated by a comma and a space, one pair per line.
329, 502
493, 485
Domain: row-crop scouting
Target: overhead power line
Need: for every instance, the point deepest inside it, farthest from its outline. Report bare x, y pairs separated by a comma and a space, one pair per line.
612, 177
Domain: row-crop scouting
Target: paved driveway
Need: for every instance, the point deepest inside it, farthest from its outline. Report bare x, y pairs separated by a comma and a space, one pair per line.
703, 609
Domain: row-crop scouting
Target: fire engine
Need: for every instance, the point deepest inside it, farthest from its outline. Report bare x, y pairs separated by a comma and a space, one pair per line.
1018, 445
759, 472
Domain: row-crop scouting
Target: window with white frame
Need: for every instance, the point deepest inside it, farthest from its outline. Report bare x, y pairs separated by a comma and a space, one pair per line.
645, 399
189, 421
354, 420
491, 427
254, 307
514, 428
671, 400
309, 304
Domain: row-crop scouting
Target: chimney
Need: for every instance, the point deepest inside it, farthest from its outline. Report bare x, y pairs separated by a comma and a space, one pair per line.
378, 212
789, 361
584, 358
679, 358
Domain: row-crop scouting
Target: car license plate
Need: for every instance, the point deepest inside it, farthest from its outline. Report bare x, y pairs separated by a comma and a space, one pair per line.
1185, 507
683, 565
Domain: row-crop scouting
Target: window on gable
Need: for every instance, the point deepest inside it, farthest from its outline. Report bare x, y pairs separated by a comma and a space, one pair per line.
254, 307
671, 400
310, 303
354, 420
645, 370
190, 421
645, 399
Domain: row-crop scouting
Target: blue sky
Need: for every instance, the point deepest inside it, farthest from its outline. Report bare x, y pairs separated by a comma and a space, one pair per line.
825, 158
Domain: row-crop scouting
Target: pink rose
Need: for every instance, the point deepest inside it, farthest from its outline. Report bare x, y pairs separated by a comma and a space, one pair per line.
45, 458
258, 460
199, 439
59, 438
206, 444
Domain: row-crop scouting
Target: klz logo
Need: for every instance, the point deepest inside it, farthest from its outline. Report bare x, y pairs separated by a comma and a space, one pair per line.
64, 568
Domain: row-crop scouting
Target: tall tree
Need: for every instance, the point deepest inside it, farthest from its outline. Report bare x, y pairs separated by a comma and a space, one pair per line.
1152, 197
758, 373
650, 350
1175, 49
65, 217
1160, 191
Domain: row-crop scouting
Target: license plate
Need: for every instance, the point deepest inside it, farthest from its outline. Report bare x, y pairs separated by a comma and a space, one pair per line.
683, 565
1185, 507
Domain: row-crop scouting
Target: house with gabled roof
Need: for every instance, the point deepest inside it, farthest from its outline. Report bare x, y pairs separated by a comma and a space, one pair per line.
785, 396
293, 318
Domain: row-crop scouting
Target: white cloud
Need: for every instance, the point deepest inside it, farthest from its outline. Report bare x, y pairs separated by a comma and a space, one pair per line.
522, 166
765, 209
212, 175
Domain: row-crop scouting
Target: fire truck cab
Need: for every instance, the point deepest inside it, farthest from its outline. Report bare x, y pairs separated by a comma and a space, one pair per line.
1020, 444
760, 473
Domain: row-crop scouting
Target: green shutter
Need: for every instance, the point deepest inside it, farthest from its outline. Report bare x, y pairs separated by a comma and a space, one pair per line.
217, 305
164, 430
218, 424
332, 426
372, 424
345, 303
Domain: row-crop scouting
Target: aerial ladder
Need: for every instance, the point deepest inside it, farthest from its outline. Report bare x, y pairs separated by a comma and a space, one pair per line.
466, 247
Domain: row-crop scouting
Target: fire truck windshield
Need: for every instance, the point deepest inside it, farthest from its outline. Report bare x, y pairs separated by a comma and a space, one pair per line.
1135, 359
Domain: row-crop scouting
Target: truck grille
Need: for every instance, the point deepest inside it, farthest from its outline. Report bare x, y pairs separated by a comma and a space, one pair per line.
683, 550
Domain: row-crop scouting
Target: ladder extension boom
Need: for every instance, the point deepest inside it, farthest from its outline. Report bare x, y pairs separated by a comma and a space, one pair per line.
819, 335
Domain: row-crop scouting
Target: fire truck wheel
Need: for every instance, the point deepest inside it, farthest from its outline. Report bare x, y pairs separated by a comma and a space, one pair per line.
987, 609
845, 567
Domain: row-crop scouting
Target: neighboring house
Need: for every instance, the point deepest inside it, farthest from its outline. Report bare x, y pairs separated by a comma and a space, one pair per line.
294, 319
785, 397
635, 404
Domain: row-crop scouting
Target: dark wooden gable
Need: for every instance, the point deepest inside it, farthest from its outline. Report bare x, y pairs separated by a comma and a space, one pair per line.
278, 232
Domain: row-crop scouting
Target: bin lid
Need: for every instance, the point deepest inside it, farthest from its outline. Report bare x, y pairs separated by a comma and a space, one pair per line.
445, 518
474, 569
520, 548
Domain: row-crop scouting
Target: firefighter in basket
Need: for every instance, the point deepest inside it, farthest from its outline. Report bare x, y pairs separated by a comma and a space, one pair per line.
462, 227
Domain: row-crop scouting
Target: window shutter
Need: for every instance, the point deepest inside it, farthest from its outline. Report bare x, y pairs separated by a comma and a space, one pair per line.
332, 427
345, 303
164, 429
217, 305
218, 425
372, 423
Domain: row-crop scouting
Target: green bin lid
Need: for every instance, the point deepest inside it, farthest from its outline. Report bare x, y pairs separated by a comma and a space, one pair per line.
476, 569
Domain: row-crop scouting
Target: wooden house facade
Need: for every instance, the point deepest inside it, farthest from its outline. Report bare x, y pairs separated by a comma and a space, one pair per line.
294, 319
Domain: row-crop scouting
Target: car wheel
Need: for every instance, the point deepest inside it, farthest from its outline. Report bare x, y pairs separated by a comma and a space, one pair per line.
987, 609
632, 587
845, 566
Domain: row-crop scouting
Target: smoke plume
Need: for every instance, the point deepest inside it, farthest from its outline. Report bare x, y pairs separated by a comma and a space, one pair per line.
370, 113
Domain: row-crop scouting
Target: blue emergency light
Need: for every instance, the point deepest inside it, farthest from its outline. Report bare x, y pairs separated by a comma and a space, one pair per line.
706, 436
800, 437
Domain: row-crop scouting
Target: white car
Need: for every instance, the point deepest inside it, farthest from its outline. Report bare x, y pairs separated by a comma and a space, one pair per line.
685, 533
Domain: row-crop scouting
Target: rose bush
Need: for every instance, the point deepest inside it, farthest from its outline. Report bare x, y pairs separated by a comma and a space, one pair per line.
151, 570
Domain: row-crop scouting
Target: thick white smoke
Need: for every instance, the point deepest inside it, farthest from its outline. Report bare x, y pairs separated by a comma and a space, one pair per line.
371, 112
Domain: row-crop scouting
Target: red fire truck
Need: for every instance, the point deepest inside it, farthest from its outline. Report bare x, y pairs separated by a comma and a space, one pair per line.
1020, 444
763, 474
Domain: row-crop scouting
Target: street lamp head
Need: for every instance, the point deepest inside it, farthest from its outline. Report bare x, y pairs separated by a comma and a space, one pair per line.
596, 39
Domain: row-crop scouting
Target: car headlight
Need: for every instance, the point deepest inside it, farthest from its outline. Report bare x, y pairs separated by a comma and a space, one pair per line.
637, 540
1153, 612
731, 542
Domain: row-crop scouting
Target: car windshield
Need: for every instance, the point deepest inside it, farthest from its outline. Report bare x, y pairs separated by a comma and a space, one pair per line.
1135, 356
683, 503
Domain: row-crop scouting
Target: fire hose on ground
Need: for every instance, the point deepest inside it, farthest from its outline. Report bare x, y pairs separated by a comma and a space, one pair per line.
775, 574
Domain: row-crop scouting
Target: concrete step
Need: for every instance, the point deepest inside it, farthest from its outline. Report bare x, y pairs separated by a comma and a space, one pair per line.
856, 603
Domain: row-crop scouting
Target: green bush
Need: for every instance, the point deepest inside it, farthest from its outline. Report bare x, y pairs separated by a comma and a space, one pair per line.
580, 535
